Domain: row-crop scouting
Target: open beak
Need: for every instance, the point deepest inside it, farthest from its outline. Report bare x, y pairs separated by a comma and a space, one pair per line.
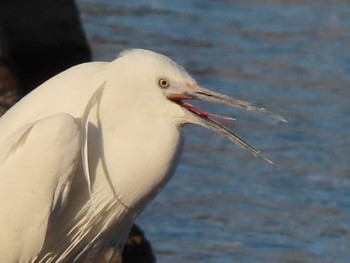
205, 119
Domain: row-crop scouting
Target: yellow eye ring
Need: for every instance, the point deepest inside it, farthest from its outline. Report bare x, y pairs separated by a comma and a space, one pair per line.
163, 83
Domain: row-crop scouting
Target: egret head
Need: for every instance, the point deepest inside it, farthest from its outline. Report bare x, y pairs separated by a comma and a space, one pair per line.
175, 86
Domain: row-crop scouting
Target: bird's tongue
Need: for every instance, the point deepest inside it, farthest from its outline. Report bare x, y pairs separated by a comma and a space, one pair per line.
200, 113
193, 109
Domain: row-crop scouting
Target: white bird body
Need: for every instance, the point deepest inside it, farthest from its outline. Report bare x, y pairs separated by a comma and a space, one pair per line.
118, 133
88, 150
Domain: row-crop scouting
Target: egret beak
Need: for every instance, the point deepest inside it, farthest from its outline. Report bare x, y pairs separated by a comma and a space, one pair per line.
205, 119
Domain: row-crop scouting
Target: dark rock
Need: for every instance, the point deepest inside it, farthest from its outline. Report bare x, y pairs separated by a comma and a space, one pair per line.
9, 93
137, 248
42, 38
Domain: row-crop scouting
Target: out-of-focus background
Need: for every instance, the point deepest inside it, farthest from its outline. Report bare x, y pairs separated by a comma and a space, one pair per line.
292, 57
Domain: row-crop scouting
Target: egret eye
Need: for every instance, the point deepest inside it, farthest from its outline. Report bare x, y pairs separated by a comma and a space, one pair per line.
163, 83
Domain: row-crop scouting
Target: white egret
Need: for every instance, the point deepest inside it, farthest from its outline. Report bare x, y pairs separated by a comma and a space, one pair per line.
85, 152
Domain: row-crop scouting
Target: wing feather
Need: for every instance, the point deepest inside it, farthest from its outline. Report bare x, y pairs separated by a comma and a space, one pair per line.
92, 104
37, 163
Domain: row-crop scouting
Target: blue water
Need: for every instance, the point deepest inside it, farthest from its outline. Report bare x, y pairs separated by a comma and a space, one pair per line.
292, 57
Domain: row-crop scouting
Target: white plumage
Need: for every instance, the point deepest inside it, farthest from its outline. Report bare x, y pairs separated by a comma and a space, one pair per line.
86, 152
